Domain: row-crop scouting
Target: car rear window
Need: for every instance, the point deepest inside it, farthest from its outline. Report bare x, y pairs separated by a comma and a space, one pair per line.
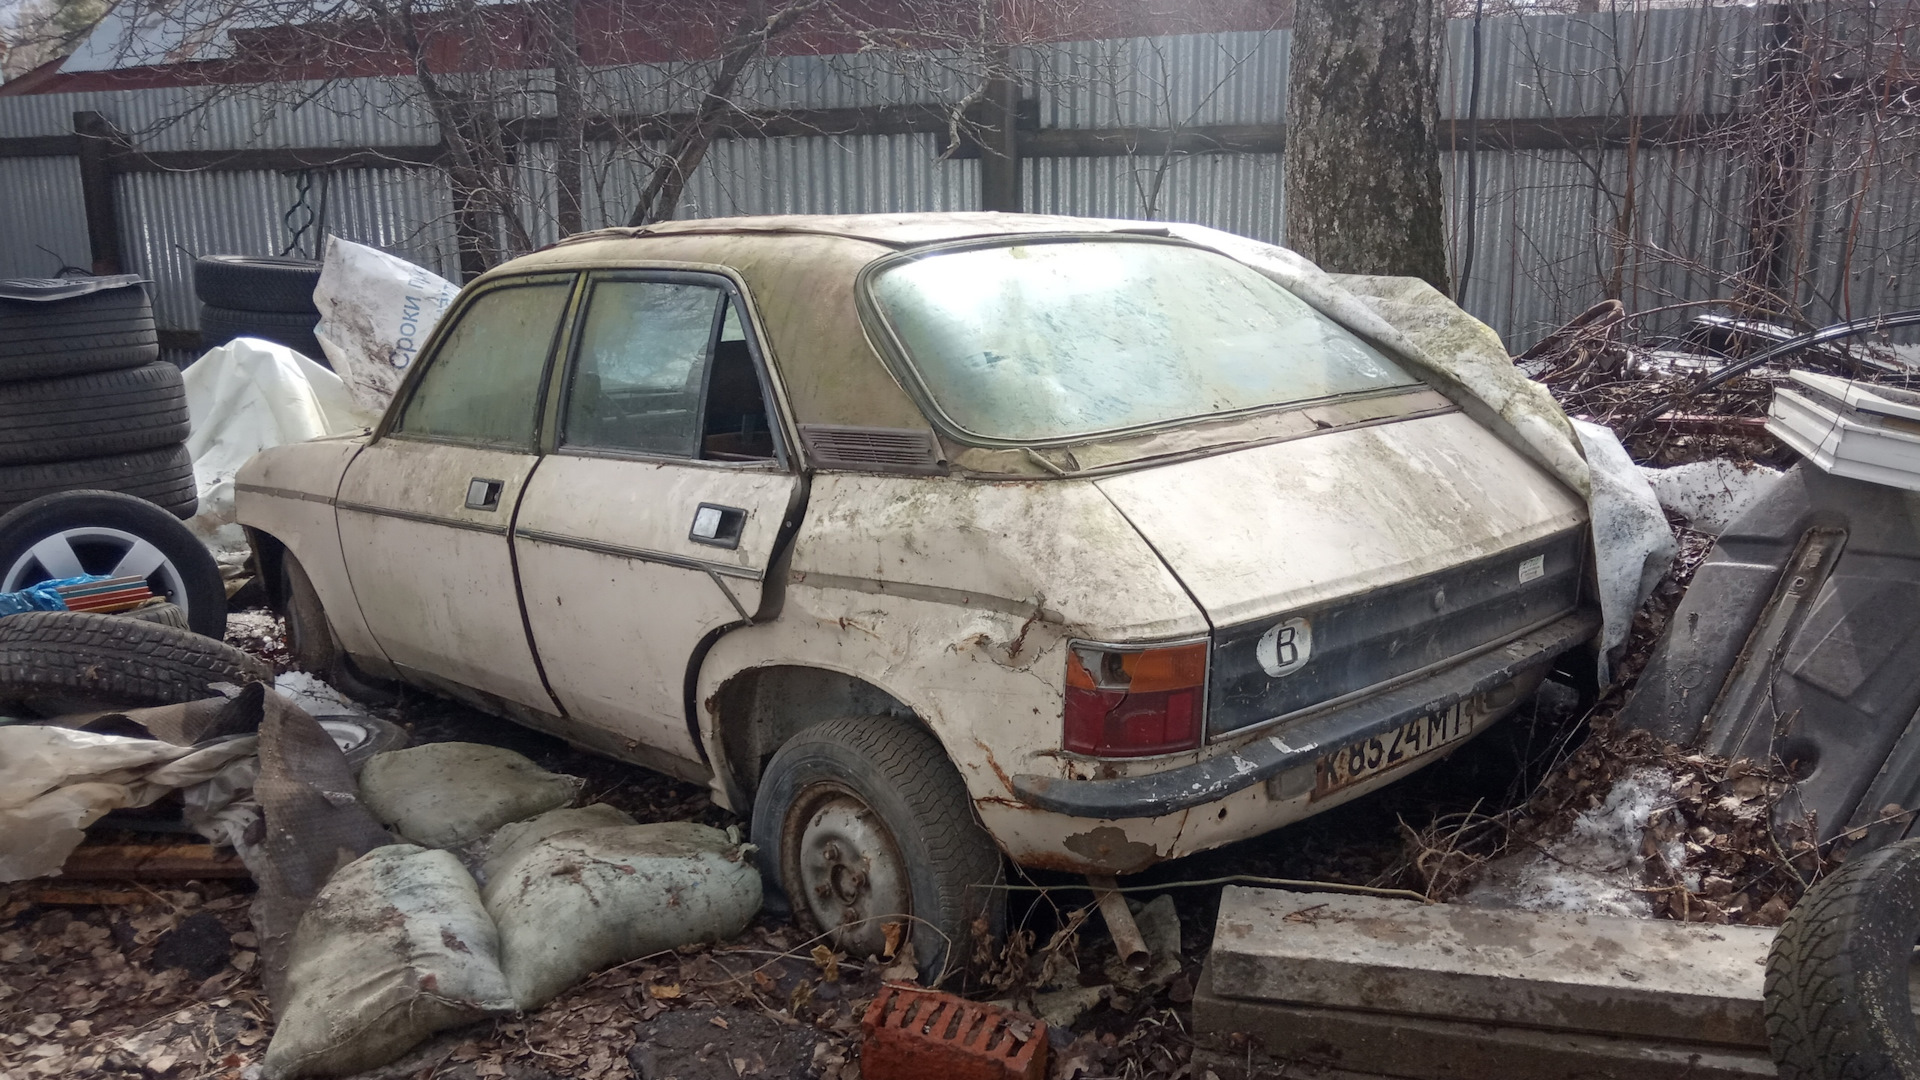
1052, 340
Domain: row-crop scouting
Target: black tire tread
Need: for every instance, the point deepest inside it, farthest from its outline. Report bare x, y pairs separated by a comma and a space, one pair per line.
1821, 1021
100, 331
960, 853
163, 477
256, 283
92, 415
115, 661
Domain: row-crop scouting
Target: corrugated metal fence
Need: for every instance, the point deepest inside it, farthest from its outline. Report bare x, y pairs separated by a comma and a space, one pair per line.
1560, 223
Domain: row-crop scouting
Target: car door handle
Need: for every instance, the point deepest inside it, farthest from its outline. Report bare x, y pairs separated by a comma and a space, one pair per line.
717, 526
483, 494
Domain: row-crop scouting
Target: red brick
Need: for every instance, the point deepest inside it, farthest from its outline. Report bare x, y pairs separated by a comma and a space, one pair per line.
913, 1034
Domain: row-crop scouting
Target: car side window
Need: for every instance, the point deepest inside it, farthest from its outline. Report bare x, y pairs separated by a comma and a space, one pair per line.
664, 368
482, 385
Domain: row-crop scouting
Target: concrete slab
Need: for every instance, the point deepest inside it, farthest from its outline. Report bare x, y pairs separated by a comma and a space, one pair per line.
1255, 1040
1645, 979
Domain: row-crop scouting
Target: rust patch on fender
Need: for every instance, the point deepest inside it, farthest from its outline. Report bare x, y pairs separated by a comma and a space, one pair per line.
1109, 848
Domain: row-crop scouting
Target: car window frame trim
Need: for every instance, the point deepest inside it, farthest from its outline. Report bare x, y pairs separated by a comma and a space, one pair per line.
430, 354
735, 292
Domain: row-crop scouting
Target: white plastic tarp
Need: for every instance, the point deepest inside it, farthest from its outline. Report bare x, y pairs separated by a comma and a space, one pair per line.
1466, 360
54, 782
244, 397
376, 311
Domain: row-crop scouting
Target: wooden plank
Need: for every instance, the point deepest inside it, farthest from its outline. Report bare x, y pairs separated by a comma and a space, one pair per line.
40, 146
152, 862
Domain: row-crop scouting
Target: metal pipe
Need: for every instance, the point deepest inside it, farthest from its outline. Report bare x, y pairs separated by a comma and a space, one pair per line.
1120, 925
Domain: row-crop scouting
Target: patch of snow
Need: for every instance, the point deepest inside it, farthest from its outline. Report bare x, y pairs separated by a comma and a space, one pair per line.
314, 695
1596, 867
1711, 495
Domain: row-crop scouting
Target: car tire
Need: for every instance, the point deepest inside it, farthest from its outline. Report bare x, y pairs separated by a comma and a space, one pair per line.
256, 282
99, 331
67, 661
293, 329
99, 530
92, 415
163, 477
1837, 1003
163, 614
310, 637
879, 792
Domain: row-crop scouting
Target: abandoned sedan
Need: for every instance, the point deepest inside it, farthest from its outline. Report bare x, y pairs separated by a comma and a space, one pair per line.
933, 541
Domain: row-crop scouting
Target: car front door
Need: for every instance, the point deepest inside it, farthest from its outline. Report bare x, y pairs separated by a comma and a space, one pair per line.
651, 525
425, 510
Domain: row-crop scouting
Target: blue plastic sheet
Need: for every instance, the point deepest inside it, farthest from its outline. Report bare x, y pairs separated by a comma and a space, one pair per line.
42, 597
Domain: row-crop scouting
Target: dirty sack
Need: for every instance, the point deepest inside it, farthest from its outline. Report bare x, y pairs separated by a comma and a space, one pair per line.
376, 311
574, 902
54, 782
505, 845
1466, 360
446, 795
395, 948
244, 397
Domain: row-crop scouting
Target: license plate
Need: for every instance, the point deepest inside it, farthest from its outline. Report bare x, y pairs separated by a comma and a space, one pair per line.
1367, 758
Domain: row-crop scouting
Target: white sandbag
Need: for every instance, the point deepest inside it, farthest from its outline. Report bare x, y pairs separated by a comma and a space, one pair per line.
376, 311
579, 901
395, 948
507, 841
448, 794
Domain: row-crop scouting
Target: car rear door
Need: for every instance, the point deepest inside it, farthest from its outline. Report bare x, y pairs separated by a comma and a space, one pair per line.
652, 524
425, 510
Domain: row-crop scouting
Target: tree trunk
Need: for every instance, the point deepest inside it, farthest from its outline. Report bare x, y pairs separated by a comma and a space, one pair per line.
1363, 137
570, 115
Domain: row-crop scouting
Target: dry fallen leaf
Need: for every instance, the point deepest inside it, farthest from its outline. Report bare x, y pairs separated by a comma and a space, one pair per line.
891, 931
828, 962
665, 991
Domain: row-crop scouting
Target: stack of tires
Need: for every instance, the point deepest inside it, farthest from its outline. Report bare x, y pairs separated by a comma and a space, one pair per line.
85, 401
258, 297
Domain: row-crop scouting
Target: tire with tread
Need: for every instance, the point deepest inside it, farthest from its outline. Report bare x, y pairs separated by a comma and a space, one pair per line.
71, 661
163, 477
292, 329
162, 614
256, 282
1837, 1003
905, 777
92, 415
100, 331
310, 637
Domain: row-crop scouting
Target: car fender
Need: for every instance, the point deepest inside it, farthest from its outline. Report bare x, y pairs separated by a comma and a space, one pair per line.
287, 492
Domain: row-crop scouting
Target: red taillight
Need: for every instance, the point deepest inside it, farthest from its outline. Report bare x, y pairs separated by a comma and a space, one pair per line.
1135, 703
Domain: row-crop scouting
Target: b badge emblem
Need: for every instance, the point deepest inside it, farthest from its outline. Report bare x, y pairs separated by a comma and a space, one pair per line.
1284, 648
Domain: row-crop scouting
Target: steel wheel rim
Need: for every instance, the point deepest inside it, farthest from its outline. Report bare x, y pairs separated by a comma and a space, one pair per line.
846, 868
348, 735
96, 549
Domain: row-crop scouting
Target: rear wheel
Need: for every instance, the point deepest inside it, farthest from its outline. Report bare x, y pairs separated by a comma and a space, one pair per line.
864, 821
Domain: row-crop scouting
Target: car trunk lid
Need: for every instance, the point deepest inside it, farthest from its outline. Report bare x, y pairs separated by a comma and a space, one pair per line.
1396, 546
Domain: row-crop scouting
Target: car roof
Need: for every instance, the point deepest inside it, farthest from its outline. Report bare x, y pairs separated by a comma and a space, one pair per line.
891, 230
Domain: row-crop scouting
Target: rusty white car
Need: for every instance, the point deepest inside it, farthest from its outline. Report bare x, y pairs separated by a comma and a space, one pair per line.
933, 542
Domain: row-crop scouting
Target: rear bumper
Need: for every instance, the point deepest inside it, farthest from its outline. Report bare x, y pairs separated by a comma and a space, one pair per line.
1300, 745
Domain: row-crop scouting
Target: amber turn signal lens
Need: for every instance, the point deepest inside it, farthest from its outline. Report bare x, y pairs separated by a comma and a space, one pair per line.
1134, 703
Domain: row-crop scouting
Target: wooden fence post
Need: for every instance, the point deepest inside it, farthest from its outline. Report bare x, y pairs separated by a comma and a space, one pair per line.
98, 142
